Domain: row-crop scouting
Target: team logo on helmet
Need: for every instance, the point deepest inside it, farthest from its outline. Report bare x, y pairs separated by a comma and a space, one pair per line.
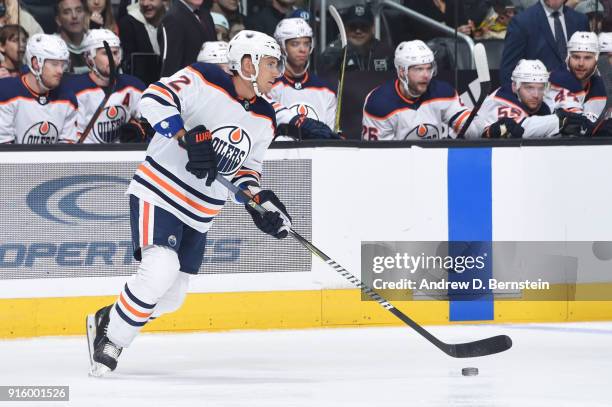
106, 129
232, 146
304, 110
41, 133
423, 132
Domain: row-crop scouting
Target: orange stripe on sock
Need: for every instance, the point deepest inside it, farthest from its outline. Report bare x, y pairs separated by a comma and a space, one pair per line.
132, 309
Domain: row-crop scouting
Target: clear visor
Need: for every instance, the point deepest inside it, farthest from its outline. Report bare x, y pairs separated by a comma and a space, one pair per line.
272, 64
534, 89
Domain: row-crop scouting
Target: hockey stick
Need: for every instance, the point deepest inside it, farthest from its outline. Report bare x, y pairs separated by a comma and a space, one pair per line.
605, 70
483, 347
344, 42
107, 92
482, 69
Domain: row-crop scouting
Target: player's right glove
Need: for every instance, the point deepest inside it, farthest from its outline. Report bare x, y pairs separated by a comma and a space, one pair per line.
312, 129
276, 221
202, 158
504, 128
574, 124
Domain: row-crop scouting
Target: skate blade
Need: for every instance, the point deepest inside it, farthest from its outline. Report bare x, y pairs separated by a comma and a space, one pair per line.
90, 324
98, 370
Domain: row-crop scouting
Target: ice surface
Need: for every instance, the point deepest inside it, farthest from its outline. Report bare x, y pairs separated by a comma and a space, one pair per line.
549, 365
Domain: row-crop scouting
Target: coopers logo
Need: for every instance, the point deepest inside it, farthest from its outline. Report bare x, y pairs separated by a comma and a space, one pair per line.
79, 198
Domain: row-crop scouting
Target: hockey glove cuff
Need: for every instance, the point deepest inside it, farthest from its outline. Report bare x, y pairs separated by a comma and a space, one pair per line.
201, 154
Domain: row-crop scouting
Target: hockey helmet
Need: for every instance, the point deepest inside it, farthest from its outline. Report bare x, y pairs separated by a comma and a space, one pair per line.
605, 42
214, 52
43, 47
411, 53
290, 28
529, 71
583, 41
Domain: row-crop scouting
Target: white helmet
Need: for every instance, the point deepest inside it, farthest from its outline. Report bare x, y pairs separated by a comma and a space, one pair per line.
411, 53
529, 71
94, 40
43, 47
257, 45
605, 42
214, 52
583, 41
290, 28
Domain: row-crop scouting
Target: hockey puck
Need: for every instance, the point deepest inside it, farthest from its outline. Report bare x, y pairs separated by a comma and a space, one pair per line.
469, 371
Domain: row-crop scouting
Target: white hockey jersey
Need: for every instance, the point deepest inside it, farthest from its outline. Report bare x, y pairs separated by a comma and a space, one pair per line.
566, 92
504, 103
122, 105
241, 129
310, 97
29, 118
389, 115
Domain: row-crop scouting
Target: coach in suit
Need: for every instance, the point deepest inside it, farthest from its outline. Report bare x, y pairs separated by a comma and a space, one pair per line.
540, 32
185, 27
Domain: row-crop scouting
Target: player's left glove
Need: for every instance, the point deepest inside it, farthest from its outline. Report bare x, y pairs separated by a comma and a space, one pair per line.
504, 128
313, 129
202, 158
136, 131
574, 124
276, 222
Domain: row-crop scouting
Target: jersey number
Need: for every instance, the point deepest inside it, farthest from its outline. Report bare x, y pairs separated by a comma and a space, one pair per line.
509, 112
369, 133
176, 84
126, 100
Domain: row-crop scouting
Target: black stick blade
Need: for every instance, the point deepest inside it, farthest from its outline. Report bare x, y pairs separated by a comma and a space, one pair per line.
483, 347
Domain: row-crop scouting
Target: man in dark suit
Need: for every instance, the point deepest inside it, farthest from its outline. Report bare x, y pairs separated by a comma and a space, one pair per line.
540, 32
185, 27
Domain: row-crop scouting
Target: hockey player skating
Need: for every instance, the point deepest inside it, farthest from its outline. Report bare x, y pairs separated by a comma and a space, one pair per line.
206, 123
215, 52
414, 106
579, 88
305, 105
34, 108
520, 111
120, 117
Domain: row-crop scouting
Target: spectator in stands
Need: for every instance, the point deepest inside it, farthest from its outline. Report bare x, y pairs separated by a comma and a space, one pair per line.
540, 32
229, 8
34, 108
120, 119
594, 10
183, 30
13, 39
12, 14
215, 52
305, 105
235, 29
523, 4
268, 18
138, 33
365, 53
496, 22
607, 18
102, 15
221, 26
71, 19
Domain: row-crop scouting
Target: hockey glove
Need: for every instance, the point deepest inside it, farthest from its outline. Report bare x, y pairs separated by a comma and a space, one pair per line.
276, 222
574, 124
313, 129
136, 131
201, 154
504, 128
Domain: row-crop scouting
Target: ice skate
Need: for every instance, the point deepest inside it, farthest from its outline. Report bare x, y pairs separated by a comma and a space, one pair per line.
103, 353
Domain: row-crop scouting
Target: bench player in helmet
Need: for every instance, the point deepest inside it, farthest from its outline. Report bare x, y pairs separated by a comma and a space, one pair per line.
35, 108
519, 111
579, 88
605, 45
207, 123
215, 52
120, 117
414, 105
305, 105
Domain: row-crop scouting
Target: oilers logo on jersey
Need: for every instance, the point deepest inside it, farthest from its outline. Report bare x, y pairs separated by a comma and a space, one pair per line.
107, 126
304, 110
232, 145
423, 131
43, 132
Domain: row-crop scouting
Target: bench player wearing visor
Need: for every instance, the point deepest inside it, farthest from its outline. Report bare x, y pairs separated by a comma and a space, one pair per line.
305, 105
579, 88
519, 111
35, 108
414, 105
207, 123
120, 117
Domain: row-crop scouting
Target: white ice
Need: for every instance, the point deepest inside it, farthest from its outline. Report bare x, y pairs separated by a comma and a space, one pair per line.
550, 365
